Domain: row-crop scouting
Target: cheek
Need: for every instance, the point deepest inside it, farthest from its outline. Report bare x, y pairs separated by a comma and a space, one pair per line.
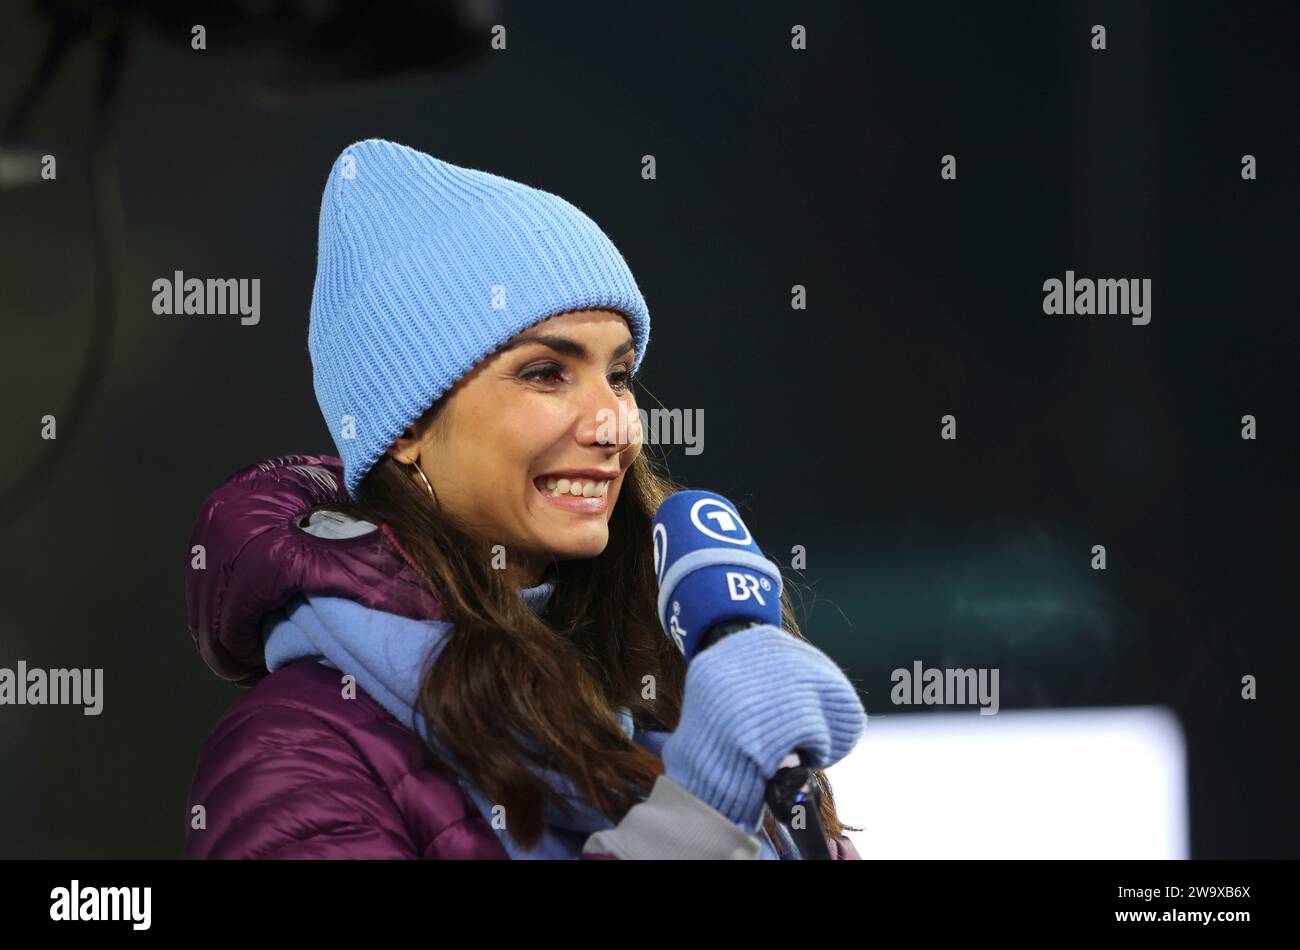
527, 436
480, 469
625, 460
500, 477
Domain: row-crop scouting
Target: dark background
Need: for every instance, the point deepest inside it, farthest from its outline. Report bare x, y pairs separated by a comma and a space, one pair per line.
775, 167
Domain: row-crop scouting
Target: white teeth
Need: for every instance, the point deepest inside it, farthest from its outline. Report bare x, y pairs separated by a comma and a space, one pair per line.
578, 488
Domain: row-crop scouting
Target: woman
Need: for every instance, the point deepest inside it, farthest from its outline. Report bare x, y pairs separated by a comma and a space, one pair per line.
452, 627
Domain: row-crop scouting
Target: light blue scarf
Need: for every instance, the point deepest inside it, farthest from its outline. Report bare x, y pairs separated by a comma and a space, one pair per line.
386, 653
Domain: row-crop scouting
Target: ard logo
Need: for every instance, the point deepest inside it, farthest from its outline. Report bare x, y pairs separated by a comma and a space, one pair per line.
724, 522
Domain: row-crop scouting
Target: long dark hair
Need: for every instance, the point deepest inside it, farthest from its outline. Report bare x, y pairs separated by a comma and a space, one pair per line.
506, 675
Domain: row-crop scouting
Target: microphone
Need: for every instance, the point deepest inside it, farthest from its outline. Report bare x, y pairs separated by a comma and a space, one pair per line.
715, 581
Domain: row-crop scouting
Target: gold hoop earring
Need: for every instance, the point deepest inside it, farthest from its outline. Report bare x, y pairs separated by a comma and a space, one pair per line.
424, 478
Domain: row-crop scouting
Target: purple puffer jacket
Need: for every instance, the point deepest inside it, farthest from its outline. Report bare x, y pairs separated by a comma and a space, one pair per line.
293, 769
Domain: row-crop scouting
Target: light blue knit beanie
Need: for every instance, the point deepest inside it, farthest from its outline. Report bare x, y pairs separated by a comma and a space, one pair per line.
425, 268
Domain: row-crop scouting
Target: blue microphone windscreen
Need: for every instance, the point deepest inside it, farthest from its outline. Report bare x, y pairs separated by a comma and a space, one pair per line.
710, 569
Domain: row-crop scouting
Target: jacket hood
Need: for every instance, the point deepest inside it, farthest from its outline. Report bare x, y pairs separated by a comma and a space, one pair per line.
258, 542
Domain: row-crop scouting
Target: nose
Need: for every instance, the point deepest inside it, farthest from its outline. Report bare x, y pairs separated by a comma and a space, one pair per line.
608, 420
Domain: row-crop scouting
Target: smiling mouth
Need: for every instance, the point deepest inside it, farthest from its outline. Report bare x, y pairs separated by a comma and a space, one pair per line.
559, 492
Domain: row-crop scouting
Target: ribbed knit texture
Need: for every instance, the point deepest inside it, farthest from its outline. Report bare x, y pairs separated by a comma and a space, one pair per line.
414, 253
750, 700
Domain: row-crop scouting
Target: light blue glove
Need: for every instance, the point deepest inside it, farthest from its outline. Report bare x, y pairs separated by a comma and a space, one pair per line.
751, 699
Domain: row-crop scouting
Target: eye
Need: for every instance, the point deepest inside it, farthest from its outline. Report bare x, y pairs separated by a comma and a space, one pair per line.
547, 374
622, 378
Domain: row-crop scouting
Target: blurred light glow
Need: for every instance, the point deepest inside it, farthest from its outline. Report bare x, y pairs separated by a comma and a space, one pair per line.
1070, 783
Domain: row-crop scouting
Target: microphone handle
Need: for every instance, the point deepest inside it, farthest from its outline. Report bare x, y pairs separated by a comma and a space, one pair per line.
724, 629
793, 785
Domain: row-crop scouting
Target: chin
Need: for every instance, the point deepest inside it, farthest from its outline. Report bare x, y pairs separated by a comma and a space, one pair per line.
577, 549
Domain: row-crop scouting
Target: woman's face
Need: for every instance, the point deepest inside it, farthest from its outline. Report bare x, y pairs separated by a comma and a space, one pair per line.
518, 431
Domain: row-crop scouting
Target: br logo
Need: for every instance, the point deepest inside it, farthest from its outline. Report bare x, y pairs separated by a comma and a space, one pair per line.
724, 522
742, 586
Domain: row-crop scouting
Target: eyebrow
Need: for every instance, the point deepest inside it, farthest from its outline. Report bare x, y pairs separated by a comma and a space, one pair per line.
562, 344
